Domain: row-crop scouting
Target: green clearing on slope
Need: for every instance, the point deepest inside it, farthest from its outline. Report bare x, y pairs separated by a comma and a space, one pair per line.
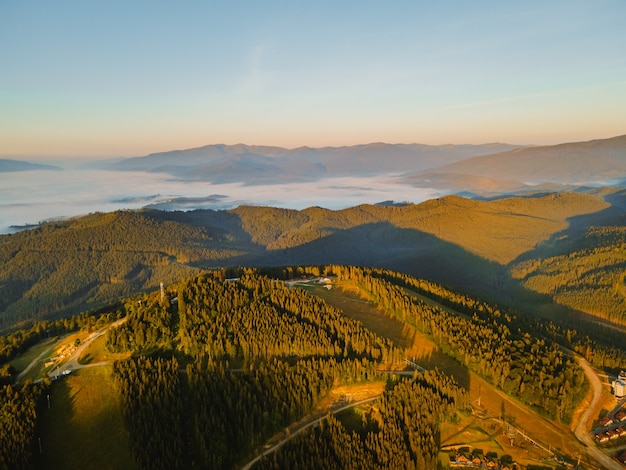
84, 427
22, 361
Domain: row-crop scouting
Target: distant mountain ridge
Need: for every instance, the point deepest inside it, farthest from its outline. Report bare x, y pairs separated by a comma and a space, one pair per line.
492, 168
9, 165
597, 162
262, 164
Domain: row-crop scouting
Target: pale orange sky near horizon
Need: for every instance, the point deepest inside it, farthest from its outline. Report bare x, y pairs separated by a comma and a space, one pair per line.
117, 79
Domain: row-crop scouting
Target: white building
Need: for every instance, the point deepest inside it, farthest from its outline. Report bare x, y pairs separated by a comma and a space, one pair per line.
619, 385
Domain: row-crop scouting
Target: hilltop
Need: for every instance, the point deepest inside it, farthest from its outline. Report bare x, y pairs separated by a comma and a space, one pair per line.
261, 164
487, 168
595, 162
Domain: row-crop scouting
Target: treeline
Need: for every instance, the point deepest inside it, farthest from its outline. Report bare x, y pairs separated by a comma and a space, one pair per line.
246, 319
152, 404
237, 356
536, 372
150, 325
60, 267
236, 411
602, 345
18, 419
400, 432
260, 357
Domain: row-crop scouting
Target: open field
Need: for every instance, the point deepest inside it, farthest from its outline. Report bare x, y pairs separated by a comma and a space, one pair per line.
36, 362
356, 304
84, 427
97, 352
22, 361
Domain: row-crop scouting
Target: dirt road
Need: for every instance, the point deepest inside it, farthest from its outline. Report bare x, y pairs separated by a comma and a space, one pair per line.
73, 364
581, 432
32, 364
302, 429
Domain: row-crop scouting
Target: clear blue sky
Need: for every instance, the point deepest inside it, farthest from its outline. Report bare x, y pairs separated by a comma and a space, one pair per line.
105, 78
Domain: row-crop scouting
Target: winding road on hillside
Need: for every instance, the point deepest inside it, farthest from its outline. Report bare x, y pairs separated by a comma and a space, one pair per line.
72, 364
22, 374
303, 428
581, 432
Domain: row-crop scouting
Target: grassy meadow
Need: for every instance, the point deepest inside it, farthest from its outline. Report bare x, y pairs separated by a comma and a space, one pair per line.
84, 427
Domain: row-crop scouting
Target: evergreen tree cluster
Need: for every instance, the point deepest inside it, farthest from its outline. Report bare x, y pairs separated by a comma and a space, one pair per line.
588, 277
255, 317
236, 356
531, 369
293, 347
149, 325
235, 411
18, 418
152, 404
212, 415
64, 266
400, 432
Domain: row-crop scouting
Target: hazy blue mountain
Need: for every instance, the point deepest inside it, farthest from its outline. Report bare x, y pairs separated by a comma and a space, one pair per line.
596, 162
261, 164
8, 165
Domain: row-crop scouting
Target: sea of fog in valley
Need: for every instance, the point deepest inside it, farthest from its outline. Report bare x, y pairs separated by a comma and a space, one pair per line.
30, 197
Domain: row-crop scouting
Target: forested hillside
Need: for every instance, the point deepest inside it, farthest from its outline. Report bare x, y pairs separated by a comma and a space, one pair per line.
590, 277
223, 361
64, 267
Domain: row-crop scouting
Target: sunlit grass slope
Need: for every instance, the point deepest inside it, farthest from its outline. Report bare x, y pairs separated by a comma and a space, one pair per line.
84, 427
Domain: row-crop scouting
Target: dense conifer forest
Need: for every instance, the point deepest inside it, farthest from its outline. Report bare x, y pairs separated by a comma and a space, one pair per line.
19, 406
589, 278
402, 433
223, 361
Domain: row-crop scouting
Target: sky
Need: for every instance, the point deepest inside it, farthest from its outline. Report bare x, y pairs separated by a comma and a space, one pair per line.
118, 78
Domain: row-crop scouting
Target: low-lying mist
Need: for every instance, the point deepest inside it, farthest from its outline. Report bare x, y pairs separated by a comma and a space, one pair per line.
30, 197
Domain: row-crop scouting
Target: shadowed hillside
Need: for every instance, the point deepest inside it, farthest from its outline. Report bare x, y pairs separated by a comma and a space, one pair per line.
584, 266
63, 267
498, 231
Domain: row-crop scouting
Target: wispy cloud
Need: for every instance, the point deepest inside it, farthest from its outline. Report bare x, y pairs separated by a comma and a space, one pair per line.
257, 77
